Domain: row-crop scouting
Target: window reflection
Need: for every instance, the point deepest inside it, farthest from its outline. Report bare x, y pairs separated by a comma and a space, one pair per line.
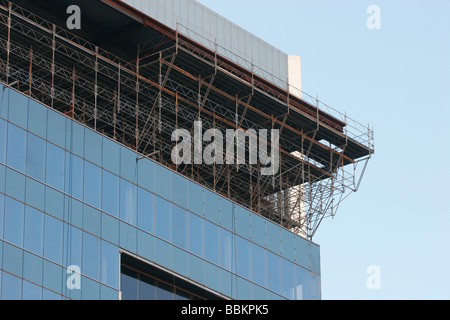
34, 230
36, 151
212, 242
196, 234
92, 184
75, 176
179, 226
162, 218
55, 166
3, 135
14, 221
259, 265
138, 285
110, 193
226, 250
53, 239
128, 202
243, 258
11, 287
274, 272
16, 147
146, 210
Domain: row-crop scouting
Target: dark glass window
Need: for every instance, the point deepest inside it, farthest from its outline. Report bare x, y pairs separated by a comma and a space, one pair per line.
140, 281
129, 284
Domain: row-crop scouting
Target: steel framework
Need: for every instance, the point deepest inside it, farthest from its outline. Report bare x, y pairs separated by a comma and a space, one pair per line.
173, 82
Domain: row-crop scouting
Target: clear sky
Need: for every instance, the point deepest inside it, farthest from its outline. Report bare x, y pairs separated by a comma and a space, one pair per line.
397, 79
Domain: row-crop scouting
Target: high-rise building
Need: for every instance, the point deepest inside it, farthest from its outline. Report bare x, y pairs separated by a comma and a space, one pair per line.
94, 205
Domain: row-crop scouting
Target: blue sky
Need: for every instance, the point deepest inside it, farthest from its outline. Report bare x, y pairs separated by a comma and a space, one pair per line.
397, 79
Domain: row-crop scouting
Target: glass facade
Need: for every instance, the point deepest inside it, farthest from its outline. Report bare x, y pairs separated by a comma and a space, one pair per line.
70, 196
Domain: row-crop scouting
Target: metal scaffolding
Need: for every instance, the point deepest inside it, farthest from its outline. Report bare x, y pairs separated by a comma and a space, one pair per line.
172, 82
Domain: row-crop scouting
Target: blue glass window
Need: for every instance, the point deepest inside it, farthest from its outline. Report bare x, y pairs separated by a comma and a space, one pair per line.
13, 259
14, 221
76, 133
196, 234
2, 216
92, 184
315, 257
35, 195
212, 242
273, 237
93, 147
146, 210
15, 184
48, 295
74, 176
274, 272
212, 276
196, 195
37, 118
91, 289
179, 261
243, 225
110, 264
259, 265
180, 190
52, 276
259, 230
163, 182
36, 152
91, 220
146, 176
31, 291
162, 218
179, 226
4, 102
289, 278
212, 207
91, 256
243, 257
11, 287
53, 239
110, 193
128, 202
74, 245
226, 250
55, 166
111, 160
54, 202
110, 229
56, 130
16, 149
163, 253
128, 236
3, 135
128, 168
303, 284
18, 108
34, 230
33, 267
288, 244
227, 214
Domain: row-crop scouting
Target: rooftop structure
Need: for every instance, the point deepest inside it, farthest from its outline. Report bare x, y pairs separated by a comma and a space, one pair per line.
136, 80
